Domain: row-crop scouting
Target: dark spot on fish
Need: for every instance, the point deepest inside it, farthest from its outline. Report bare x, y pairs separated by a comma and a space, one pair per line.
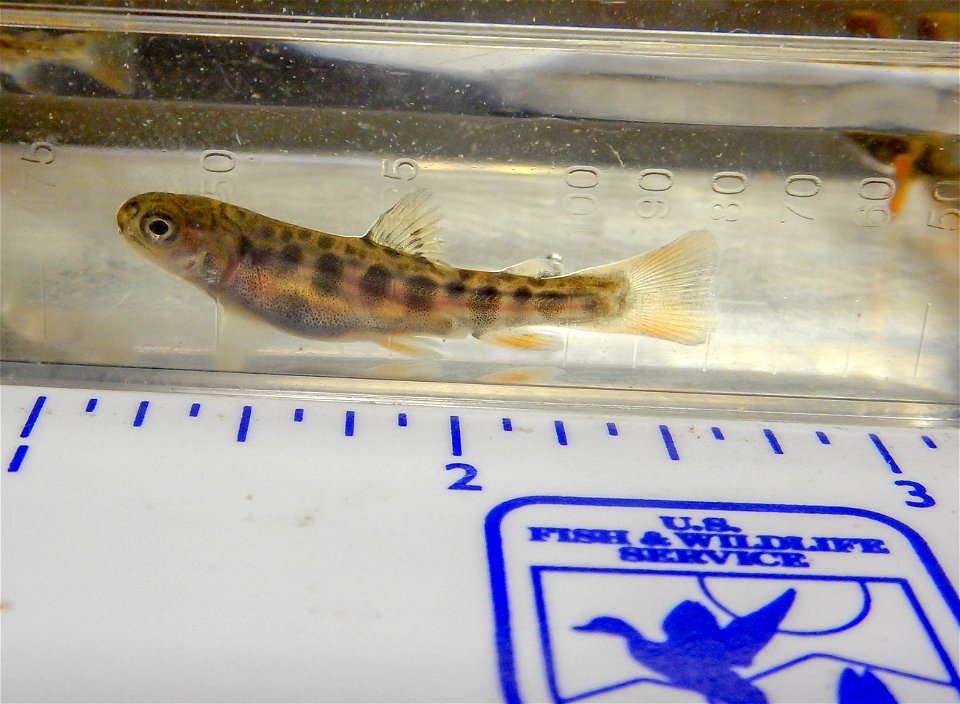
483, 305
455, 289
591, 303
324, 241
244, 245
420, 293
484, 298
375, 282
549, 303
303, 235
286, 235
265, 232
261, 256
352, 250
328, 273
292, 254
464, 274
522, 294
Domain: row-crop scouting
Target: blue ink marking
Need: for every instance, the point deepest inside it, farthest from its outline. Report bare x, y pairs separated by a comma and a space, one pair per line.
612, 429
885, 454
244, 424
716, 433
91, 404
561, 432
141, 414
402, 420
668, 443
348, 423
774, 443
456, 447
822, 437
507, 424
928, 441
195, 410
32, 418
297, 415
18, 458
504, 638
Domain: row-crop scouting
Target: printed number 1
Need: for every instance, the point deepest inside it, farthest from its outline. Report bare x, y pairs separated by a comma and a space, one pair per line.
469, 474
918, 490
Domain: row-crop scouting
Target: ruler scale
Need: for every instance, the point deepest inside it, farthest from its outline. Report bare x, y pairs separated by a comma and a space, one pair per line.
237, 531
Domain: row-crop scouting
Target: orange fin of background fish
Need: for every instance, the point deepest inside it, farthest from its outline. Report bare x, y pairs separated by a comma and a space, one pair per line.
409, 346
521, 375
110, 58
540, 341
903, 175
540, 268
410, 226
669, 290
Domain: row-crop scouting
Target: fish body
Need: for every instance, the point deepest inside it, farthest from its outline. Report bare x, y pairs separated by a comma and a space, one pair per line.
105, 57
391, 282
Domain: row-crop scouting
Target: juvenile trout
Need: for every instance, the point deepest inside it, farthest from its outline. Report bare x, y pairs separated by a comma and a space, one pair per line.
392, 283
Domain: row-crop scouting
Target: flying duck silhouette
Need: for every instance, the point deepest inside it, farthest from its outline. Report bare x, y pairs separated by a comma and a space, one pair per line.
697, 653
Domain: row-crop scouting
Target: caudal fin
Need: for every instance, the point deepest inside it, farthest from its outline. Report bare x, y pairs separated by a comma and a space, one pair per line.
669, 290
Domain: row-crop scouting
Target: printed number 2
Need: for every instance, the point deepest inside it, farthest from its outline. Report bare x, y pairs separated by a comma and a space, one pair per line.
918, 490
469, 474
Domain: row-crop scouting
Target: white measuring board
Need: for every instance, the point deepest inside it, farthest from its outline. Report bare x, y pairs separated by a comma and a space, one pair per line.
197, 547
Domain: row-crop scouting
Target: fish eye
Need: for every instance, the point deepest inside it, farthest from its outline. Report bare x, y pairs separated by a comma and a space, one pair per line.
158, 227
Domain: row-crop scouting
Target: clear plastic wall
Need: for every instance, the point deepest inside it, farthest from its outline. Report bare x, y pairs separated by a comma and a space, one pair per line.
827, 166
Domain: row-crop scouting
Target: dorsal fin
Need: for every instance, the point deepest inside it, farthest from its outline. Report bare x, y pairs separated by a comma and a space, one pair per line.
410, 226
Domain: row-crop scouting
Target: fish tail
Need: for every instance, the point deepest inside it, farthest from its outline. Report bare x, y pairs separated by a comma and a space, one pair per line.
111, 59
668, 291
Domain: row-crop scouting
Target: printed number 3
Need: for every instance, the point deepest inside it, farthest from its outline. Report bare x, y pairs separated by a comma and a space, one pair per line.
918, 490
469, 474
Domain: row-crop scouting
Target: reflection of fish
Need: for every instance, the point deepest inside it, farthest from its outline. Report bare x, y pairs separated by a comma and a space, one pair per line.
391, 282
698, 654
911, 155
105, 57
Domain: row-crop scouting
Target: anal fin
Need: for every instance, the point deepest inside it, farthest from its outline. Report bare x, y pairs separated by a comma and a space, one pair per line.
524, 340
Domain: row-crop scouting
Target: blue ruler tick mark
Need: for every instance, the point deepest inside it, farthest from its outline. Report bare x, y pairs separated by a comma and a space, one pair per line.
561, 432
297, 415
402, 420
668, 443
91, 405
716, 433
195, 410
612, 429
456, 448
32, 418
928, 441
17, 460
774, 443
141, 414
885, 454
507, 424
244, 423
348, 422
822, 437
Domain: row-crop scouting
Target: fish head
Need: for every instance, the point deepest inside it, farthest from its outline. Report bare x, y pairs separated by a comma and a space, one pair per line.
186, 235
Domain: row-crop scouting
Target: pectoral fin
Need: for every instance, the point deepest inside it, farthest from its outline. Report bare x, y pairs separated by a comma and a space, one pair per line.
410, 346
